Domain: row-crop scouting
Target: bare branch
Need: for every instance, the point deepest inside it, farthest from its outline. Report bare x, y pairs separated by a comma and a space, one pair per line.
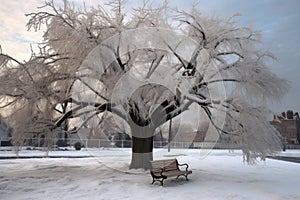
230, 53
92, 89
155, 63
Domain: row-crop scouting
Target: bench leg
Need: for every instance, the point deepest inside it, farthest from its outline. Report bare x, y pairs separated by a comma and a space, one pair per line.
185, 175
161, 181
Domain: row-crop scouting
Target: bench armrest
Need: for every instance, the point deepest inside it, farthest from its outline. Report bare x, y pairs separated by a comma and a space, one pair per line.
161, 171
187, 166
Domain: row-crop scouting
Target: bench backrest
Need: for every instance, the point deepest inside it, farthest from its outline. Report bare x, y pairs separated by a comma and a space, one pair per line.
166, 165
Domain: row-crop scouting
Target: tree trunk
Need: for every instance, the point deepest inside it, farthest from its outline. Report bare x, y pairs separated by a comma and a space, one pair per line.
142, 153
142, 147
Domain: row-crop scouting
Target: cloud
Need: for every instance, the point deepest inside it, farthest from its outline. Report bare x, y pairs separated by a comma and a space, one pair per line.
14, 38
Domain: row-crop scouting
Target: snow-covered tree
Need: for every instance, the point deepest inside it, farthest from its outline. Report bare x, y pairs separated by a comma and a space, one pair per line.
145, 68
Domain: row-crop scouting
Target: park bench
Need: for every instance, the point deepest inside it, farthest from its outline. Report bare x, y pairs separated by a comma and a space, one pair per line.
163, 169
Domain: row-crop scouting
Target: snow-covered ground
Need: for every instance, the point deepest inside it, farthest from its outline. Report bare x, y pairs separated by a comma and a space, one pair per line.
218, 174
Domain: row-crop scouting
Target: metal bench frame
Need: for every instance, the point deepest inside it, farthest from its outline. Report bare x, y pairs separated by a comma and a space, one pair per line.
163, 169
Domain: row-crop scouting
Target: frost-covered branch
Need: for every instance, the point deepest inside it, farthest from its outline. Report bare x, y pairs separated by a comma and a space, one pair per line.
144, 77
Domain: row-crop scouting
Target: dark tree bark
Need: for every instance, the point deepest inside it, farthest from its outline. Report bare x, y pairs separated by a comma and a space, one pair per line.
142, 152
142, 147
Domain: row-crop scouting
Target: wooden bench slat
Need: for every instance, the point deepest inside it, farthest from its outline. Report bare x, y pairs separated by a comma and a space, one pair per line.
162, 169
176, 173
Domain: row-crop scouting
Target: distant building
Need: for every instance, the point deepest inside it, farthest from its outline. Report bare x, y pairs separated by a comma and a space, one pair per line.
288, 124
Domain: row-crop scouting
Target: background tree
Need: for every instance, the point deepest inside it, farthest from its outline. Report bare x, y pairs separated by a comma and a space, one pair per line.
145, 68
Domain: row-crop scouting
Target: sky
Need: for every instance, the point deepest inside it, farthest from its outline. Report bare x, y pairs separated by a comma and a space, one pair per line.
279, 21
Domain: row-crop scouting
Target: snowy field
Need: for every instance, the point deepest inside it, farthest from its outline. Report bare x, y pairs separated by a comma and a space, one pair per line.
218, 174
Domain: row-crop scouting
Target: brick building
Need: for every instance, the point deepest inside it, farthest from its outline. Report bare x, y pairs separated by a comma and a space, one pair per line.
288, 124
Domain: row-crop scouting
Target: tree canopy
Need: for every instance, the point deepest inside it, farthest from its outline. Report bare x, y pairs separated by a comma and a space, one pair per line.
146, 68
